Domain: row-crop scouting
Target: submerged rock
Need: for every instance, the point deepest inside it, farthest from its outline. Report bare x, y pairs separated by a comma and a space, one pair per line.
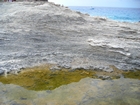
88, 91
42, 78
104, 77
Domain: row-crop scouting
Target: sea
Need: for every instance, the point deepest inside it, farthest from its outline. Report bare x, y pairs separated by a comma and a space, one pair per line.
117, 14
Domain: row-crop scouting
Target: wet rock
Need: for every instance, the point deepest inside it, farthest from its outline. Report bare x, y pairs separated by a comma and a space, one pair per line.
108, 69
54, 68
4, 90
15, 103
87, 91
15, 72
22, 98
1, 72
49, 91
66, 66
103, 77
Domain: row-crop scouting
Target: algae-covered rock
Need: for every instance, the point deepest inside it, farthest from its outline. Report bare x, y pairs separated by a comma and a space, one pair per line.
132, 74
42, 78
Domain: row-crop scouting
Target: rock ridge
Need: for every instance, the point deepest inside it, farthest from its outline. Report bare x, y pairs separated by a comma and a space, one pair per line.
32, 33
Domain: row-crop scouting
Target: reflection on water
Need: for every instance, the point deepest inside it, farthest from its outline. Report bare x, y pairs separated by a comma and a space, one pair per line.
87, 91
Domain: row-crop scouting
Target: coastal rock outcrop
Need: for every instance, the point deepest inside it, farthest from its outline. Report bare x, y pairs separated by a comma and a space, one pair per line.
32, 33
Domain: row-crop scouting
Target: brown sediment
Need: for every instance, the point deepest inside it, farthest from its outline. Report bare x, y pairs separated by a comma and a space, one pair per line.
42, 78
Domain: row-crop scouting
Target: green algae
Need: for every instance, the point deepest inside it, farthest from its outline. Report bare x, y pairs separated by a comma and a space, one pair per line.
41, 78
132, 74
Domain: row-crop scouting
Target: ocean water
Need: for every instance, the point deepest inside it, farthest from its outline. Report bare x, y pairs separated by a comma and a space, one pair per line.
118, 14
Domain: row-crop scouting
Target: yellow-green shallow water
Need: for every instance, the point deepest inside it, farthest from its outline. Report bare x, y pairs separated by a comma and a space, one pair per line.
132, 74
87, 91
42, 78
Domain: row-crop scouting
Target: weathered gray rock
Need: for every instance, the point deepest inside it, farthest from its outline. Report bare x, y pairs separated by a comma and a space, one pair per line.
41, 32
108, 69
104, 77
54, 68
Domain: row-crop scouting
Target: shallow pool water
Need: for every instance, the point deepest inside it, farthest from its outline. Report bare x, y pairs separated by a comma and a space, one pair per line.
43, 85
42, 78
87, 91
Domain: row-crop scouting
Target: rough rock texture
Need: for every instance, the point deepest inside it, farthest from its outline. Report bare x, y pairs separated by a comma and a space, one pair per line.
33, 33
86, 92
1, 72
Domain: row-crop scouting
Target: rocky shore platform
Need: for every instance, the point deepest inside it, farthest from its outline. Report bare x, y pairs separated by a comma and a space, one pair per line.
37, 33
34, 33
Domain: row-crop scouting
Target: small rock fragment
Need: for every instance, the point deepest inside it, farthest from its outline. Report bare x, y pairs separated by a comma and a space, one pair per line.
103, 77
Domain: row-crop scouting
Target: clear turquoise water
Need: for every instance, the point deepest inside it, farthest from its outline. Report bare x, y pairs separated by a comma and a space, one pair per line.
118, 14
